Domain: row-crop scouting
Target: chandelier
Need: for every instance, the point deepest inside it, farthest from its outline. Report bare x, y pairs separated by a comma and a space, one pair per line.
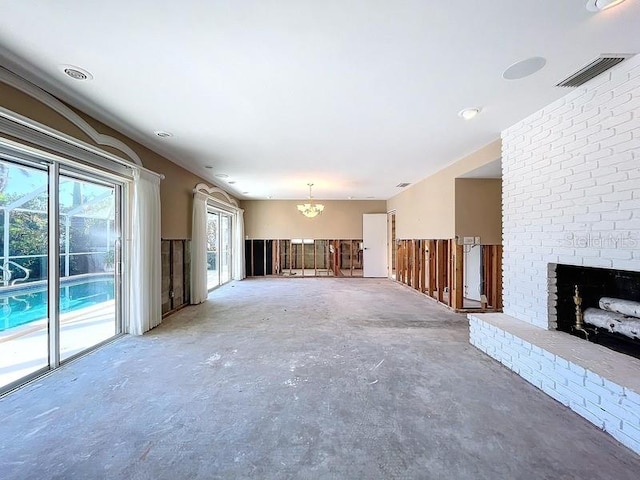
310, 209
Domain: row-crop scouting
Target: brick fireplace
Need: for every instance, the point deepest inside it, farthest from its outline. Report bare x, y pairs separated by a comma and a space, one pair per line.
594, 284
571, 196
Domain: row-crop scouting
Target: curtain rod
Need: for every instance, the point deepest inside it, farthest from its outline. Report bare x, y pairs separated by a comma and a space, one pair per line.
146, 170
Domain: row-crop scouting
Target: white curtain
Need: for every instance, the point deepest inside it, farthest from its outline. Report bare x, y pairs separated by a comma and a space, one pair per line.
146, 269
199, 290
238, 251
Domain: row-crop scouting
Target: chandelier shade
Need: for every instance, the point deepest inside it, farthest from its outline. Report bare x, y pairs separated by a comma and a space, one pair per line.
310, 209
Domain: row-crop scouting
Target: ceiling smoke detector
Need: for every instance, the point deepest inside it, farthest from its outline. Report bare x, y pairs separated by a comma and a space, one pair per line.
161, 134
76, 73
598, 5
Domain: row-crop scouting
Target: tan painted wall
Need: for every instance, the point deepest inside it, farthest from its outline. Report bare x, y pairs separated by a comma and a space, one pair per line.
175, 190
280, 219
21, 103
479, 209
427, 209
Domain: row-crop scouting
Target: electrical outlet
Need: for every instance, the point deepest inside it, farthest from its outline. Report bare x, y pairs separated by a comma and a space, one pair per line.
476, 240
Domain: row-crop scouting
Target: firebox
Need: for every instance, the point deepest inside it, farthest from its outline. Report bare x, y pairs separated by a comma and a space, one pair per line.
608, 304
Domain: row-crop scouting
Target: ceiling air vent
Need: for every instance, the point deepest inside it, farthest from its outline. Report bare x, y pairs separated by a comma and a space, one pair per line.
600, 65
402, 185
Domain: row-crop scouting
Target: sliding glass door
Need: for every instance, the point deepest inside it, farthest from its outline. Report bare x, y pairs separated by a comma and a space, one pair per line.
219, 241
60, 265
24, 320
89, 255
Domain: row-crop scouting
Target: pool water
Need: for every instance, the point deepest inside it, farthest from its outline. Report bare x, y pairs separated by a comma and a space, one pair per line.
22, 308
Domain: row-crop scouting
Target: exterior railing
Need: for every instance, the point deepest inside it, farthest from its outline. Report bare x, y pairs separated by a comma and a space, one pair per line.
7, 276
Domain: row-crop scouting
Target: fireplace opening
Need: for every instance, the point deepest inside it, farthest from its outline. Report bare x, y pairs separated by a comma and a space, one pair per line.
608, 304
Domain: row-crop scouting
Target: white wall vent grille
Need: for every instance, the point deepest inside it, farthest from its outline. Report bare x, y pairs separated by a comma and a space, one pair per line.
600, 65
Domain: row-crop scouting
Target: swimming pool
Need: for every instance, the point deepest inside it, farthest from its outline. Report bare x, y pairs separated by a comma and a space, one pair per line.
27, 303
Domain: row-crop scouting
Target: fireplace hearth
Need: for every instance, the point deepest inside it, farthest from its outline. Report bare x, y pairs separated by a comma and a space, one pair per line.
595, 289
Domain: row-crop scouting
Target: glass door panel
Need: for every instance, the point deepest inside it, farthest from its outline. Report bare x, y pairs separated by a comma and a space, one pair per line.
296, 257
219, 242
356, 258
89, 257
345, 258
322, 257
213, 262
308, 255
24, 224
285, 257
225, 248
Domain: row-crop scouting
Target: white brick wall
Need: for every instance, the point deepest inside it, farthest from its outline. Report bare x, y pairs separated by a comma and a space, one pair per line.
571, 194
571, 189
610, 406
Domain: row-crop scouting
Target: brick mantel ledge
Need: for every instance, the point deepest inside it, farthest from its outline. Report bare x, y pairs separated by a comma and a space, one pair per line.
599, 384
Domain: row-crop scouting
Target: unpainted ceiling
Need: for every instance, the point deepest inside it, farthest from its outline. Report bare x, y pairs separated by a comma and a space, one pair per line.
355, 97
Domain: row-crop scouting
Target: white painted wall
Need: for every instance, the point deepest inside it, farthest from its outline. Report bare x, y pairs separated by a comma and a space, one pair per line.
571, 189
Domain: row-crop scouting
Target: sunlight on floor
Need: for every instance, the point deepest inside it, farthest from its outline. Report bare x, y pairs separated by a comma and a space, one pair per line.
24, 349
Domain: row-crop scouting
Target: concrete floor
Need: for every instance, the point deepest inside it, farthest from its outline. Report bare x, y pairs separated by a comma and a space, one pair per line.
299, 378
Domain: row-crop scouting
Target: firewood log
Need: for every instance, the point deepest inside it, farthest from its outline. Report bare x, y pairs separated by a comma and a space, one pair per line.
613, 322
618, 305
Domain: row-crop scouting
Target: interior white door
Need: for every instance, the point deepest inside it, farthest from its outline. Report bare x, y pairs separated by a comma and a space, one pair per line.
473, 273
374, 236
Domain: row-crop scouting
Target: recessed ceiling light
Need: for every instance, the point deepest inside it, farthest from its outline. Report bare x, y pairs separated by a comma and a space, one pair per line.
270, 197
161, 134
524, 68
245, 193
598, 5
221, 175
469, 113
208, 166
232, 182
371, 197
76, 73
